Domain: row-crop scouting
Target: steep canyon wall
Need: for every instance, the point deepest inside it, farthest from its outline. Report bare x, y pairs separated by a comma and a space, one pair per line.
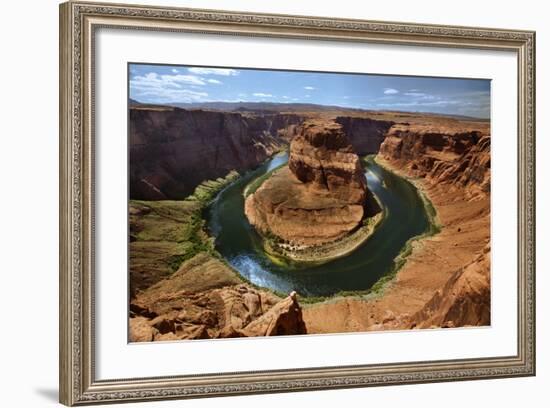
173, 150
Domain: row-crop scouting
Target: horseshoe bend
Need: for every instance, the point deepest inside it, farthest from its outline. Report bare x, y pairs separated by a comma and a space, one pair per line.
318, 207
256, 220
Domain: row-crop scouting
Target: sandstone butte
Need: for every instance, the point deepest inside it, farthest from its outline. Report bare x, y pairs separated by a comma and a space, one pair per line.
444, 283
318, 199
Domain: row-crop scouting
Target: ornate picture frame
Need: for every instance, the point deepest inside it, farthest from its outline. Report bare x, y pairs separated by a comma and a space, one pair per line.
78, 24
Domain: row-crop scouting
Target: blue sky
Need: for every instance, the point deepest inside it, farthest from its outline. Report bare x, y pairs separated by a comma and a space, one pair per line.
164, 84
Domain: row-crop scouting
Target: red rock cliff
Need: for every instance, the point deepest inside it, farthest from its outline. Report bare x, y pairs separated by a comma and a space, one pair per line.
322, 156
320, 197
173, 150
365, 134
458, 155
453, 161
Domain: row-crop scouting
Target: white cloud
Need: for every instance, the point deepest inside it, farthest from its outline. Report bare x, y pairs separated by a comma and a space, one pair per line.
285, 97
171, 96
345, 97
309, 88
156, 81
308, 96
421, 95
416, 103
213, 71
417, 94
183, 79
174, 70
262, 95
471, 103
390, 91
213, 81
166, 88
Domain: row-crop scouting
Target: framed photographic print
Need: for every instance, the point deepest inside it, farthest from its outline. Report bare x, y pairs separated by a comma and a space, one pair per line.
258, 203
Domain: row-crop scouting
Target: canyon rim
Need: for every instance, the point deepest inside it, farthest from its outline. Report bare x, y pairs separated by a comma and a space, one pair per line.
267, 203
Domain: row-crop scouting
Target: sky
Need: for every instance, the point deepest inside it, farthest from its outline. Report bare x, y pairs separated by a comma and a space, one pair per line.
168, 84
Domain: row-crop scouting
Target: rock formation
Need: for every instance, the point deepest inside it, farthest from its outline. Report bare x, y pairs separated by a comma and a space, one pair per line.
284, 318
322, 157
453, 155
465, 300
173, 150
319, 198
365, 134
445, 281
199, 302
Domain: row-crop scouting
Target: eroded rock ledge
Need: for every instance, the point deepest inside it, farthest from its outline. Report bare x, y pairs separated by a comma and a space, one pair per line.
205, 300
320, 198
458, 157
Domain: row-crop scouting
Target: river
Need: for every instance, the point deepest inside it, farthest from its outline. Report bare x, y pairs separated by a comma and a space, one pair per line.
241, 246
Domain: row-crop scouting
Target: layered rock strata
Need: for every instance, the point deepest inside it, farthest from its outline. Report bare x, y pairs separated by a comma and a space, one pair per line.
445, 281
320, 197
173, 150
460, 158
365, 134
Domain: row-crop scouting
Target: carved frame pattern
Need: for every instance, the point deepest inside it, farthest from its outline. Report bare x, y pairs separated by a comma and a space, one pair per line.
78, 20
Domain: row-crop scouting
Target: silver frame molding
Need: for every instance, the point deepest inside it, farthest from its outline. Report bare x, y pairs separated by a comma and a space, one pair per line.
78, 22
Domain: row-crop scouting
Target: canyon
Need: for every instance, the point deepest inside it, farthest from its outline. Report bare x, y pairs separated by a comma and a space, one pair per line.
443, 282
173, 150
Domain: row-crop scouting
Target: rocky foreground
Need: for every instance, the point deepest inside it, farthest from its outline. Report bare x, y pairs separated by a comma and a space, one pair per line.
205, 300
180, 289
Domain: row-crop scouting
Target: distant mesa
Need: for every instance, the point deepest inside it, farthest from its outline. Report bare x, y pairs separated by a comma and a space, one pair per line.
318, 199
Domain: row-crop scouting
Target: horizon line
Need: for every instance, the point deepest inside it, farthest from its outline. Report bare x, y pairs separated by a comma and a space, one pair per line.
311, 103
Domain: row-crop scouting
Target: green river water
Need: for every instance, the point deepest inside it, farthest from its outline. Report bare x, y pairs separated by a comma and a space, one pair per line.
406, 216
